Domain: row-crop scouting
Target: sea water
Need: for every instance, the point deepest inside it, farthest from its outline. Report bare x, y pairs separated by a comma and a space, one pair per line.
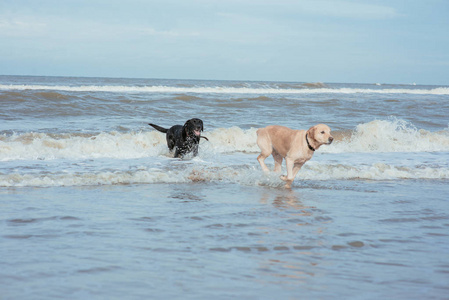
94, 206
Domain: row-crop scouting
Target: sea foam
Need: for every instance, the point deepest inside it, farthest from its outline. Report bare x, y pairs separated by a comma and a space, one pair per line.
394, 135
248, 174
374, 136
226, 89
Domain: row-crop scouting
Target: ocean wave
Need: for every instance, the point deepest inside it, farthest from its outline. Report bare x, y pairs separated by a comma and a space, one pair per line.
44, 146
375, 171
247, 174
303, 89
392, 135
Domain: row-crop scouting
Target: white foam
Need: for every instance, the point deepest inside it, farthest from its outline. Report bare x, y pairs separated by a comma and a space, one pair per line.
224, 90
41, 146
392, 135
376, 136
100, 178
248, 174
233, 139
375, 171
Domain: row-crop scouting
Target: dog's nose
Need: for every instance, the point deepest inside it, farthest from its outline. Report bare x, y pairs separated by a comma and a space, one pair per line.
330, 139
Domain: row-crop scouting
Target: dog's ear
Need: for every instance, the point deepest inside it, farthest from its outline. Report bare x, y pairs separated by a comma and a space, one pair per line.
185, 129
202, 127
311, 132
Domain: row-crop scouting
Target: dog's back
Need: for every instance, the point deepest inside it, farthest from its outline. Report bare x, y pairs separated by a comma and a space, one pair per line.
276, 137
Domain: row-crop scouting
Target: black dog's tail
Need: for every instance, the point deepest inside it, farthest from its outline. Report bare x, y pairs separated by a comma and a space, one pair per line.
159, 128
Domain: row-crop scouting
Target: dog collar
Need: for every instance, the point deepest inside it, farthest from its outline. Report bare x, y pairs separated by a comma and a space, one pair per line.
308, 144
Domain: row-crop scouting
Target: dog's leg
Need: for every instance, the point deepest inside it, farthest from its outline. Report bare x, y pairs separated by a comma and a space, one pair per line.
277, 162
195, 150
296, 168
288, 184
177, 153
289, 178
263, 141
261, 158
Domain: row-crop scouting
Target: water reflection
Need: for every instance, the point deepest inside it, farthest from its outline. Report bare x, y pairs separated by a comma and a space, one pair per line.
296, 239
288, 200
192, 194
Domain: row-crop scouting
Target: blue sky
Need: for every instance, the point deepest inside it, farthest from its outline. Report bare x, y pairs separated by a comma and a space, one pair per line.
394, 41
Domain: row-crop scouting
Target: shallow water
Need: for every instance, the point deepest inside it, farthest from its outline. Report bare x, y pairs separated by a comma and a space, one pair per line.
94, 206
221, 240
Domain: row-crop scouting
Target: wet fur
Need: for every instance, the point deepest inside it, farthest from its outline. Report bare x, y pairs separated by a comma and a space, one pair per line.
182, 138
295, 146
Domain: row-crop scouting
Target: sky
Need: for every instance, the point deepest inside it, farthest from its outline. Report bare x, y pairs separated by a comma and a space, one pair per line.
344, 41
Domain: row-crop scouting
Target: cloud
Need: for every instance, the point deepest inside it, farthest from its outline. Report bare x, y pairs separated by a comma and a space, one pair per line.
149, 31
81, 29
347, 9
21, 27
351, 9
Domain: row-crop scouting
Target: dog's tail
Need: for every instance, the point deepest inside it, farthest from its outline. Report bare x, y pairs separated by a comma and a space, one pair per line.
159, 128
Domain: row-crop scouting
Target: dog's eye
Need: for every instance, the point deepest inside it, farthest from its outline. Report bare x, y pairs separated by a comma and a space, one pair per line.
322, 132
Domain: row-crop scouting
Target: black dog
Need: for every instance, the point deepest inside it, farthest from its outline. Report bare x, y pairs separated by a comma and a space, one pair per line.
185, 138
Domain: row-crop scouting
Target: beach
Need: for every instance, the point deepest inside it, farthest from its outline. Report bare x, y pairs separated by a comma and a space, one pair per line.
95, 206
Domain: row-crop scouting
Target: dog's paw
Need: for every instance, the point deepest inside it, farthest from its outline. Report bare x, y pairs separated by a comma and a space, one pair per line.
288, 182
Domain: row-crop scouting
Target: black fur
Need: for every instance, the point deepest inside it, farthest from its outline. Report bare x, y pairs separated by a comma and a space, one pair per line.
183, 138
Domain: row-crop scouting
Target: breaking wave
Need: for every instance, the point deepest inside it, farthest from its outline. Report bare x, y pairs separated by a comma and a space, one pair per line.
393, 135
375, 136
301, 89
43, 146
44, 159
248, 174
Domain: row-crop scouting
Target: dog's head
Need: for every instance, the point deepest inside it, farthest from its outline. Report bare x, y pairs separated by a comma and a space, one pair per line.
319, 135
193, 128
